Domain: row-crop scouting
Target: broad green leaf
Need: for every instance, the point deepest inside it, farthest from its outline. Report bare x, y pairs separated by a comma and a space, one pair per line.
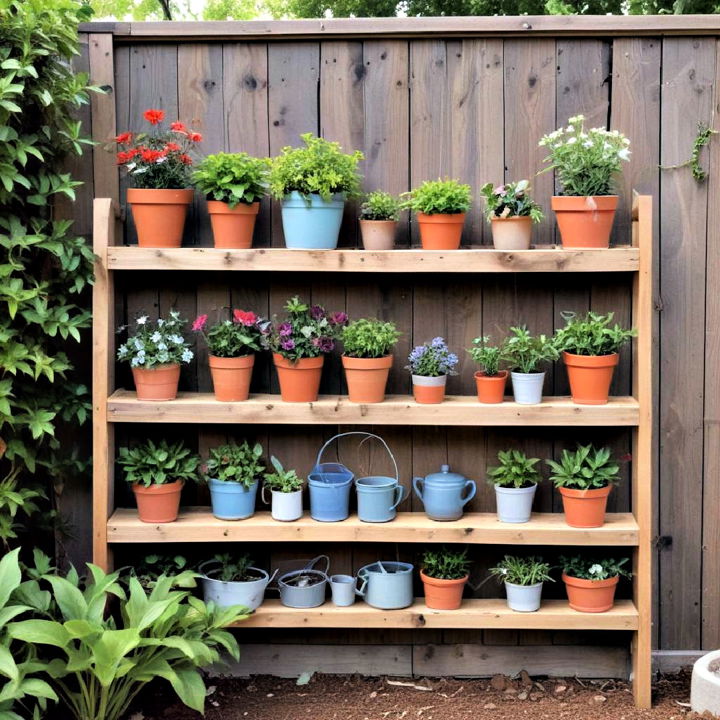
110, 649
41, 632
10, 576
190, 688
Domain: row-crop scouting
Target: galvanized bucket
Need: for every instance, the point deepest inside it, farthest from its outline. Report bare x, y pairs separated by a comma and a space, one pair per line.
304, 588
248, 593
387, 585
379, 495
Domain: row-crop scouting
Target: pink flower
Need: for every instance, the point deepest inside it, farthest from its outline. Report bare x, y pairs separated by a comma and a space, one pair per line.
244, 318
200, 322
338, 318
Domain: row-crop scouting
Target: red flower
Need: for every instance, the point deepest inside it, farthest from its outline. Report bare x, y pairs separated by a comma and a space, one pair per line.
172, 147
122, 158
178, 127
244, 318
124, 138
150, 156
195, 137
200, 322
154, 117
186, 159
627, 457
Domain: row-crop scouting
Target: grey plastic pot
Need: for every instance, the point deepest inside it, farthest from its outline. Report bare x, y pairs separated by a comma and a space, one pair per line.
527, 387
248, 593
304, 588
514, 505
523, 598
386, 585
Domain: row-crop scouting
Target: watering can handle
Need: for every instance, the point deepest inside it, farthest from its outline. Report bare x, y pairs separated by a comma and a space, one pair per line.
311, 564
272, 577
366, 435
473, 489
418, 486
401, 494
360, 591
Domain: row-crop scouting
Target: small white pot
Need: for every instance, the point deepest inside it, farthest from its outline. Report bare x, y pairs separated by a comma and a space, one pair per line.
514, 505
284, 507
523, 598
424, 381
527, 387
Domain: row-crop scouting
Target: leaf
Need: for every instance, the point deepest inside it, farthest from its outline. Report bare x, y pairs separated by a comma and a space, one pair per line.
190, 688
68, 597
10, 575
110, 649
8, 668
42, 632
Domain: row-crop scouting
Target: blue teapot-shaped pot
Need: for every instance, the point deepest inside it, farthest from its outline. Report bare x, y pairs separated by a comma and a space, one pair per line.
444, 494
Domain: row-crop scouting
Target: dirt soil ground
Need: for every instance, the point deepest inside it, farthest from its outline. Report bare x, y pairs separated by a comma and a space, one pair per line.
328, 697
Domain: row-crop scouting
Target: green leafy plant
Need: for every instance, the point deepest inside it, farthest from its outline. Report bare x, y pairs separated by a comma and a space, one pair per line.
591, 335
369, 338
233, 569
584, 469
380, 205
235, 463
446, 564
232, 178
703, 137
153, 566
510, 200
522, 570
439, 197
284, 481
432, 359
592, 568
516, 470
158, 464
320, 167
486, 355
525, 352
585, 161
241, 336
156, 343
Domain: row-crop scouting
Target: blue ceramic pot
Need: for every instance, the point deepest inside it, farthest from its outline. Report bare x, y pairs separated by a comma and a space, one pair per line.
329, 496
232, 500
444, 494
312, 223
378, 498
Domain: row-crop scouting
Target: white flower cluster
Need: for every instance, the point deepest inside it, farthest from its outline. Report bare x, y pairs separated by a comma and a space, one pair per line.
156, 344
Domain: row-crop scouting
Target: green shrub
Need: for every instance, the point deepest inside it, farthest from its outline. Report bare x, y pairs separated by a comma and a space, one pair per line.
235, 463
584, 469
284, 481
487, 356
232, 569
525, 352
593, 568
239, 337
439, 197
158, 464
369, 338
156, 343
446, 564
510, 200
232, 178
515, 470
522, 570
380, 205
591, 335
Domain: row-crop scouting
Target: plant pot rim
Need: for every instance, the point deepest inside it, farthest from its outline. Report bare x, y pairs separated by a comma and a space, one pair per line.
220, 207
441, 217
282, 492
379, 362
264, 575
516, 218
429, 381
530, 374
441, 582
515, 489
314, 362
587, 493
232, 482
379, 222
161, 196
499, 375
527, 587
583, 583
584, 203
610, 358
167, 366
158, 488
240, 360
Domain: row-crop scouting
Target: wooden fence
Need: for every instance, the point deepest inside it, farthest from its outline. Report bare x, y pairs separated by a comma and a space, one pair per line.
467, 98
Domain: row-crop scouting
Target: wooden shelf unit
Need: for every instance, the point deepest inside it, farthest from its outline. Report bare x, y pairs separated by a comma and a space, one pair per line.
111, 406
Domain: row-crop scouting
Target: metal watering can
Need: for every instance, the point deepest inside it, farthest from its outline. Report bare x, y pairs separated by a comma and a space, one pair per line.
304, 588
379, 495
444, 494
329, 485
248, 593
387, 585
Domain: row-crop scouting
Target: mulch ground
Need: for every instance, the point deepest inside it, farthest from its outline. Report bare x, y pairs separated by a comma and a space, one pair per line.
330, 697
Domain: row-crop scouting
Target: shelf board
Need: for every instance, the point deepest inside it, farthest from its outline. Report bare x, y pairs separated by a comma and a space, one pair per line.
197, 524
474, 614
189, 407
474, 260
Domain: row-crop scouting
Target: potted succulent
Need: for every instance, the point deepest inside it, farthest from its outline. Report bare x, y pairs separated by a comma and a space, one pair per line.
490, 380
440, 206
232, 472
234, 184
515, 479
444, 574
285, 491
524, 353
299, 344
157, 473
591, 582
511, 213
158, 165
367, 358
229, 581
523, 578
590, 348
232, 345
585, 163
313, 183
155, 352
584, 479
430, 365
379, 216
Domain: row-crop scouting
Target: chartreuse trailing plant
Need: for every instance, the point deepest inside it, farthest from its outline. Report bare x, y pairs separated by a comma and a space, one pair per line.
510, 200
515, 470
439, 197
281, 480
235, 463
522, 570
524, 352
369, 338
432, 359
486, 355
446, 564
241, 336
593, 334
158, 463
157, 343
585, 469
592, 568
380, 205
232, 178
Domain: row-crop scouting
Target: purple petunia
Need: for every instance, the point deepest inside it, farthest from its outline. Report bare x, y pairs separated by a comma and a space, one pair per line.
317, 312
285, 329
338, 318
287, 344
324, 344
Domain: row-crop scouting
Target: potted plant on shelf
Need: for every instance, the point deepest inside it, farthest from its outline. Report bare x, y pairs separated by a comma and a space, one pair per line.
157, 473
444, 574
379, 216
441, 206
155, 353
511, 212
285, 491
158, 165
590, 348
584, 479
525, 353
591, 582
523, 578
229, 582
430, 365
232, 345
586, 163
234, 184
232, 472
490, 380
313, 183
515, 479
299, 344
367, 358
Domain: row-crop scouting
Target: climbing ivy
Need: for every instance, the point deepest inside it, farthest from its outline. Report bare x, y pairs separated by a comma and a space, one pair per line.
703, 137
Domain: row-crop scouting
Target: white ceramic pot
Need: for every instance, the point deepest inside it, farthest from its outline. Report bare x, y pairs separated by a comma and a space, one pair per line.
527, 387
523, 598
284, 507
514, 505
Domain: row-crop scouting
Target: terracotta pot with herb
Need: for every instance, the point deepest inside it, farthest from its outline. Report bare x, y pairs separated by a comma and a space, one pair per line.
511, 212
490, 380
444, 574
591, 582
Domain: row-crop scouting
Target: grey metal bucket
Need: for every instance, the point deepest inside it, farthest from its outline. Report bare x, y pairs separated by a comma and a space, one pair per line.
386, 585
248, 593
304, 588
379, 495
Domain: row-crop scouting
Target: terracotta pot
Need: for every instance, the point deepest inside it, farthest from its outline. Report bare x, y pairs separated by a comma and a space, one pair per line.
443, 594
491, 388
590, 377
367, 378
511, 233
585, 221
590, 596
233, 227
158, 503
300, 380
231, 377
441, 232
378, 234
159, 215
429, 390
160, 383
585, 508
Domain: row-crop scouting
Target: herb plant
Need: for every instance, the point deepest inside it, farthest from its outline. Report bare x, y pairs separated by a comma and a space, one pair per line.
156, 343
380, 205
439, 197
232, 178
585, 161
284, 481
446, 564
522, 570
158, 464
510, 200
235, 463
515, 470
487, 356
432, 359
231, 569
153, 566
591, 335
369, 338
525, 352
320, 167
239, 337
585, 469
590, 568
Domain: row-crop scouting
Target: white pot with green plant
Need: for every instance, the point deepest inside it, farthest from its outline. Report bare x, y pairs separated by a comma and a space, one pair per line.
511, 212
233, 582
523, 578
515, 480
285, 493
490, 379
525, 353
591, 581
379, 216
